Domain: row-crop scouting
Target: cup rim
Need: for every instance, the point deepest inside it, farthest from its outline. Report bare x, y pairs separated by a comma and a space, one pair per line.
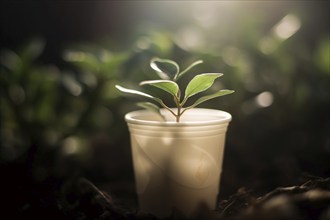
213, 116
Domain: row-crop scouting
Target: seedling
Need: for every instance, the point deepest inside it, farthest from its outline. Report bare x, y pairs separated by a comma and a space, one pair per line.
169, 72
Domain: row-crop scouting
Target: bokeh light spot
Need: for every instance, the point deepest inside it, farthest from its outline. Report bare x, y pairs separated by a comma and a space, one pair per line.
70, 145
72, 85
287, 27
265, 99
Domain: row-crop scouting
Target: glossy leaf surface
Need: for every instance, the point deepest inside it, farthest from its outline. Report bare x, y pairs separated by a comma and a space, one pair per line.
200, 83
166, 69
166, 85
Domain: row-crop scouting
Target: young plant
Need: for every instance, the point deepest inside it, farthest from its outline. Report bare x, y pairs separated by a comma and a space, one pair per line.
169, 72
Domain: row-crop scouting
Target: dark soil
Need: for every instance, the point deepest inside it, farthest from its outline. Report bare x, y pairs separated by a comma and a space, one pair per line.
79, 198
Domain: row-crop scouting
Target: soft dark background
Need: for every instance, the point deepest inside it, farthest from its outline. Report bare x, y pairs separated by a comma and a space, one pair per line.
61, 117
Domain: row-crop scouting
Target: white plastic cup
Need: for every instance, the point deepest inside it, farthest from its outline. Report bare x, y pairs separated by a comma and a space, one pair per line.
177, 165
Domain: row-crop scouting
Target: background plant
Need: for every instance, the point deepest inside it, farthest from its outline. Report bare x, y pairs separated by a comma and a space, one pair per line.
50, 114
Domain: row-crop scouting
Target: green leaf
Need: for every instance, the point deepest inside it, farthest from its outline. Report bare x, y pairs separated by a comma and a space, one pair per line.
166, 85
151, 107
135, 92
179, 75
84, 60
10, 59
33, 49
212, 96
112, 62
166, 69
200, 83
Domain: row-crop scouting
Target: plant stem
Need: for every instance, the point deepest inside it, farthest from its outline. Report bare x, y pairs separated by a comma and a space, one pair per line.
166, 107
178, 105
178, 114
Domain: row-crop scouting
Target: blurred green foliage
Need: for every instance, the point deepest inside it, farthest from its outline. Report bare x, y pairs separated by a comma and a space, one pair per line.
48, 113
278, 64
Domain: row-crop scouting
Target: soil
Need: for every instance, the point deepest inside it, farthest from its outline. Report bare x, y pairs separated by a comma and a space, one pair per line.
79, 198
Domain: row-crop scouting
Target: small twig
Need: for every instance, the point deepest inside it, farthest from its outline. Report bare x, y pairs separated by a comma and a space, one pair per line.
226, 207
